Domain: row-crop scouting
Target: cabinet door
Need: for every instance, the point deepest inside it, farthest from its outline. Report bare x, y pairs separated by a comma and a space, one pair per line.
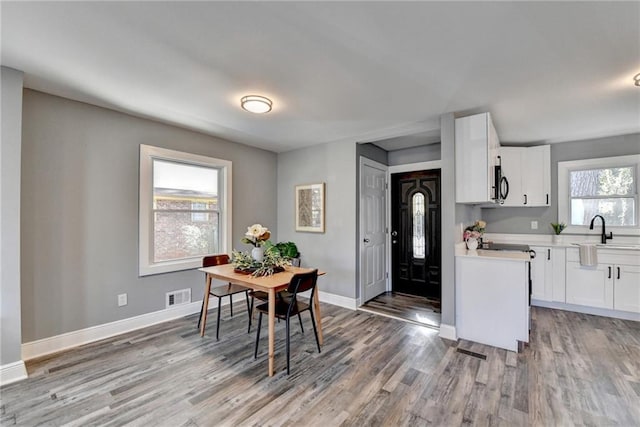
558, 275
536, 179
512, 169
541, 274
626, 290
590, 286
475, 155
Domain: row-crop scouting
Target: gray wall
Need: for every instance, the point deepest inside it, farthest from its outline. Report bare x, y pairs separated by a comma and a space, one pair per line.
333, 251
518, 220
424, 153
10, 145
80, 212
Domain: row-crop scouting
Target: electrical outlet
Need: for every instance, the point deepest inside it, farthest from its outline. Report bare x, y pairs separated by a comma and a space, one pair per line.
122, 300
534, 225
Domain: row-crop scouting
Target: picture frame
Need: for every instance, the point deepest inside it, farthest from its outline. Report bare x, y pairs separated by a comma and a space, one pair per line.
309, 205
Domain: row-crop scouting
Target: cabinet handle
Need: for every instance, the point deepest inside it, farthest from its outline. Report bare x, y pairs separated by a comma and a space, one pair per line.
547, 198
609, 273
618, 273
525, 199
548, 254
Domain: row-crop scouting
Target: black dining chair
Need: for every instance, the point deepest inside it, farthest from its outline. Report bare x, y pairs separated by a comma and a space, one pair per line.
285, 308
220, 292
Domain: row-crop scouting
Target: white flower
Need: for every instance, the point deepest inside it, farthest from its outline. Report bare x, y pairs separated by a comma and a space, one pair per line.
256, 230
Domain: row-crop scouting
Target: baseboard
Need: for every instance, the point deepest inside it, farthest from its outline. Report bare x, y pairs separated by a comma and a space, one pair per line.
448, 332
12, 372
68, 340
625, 315
338, 300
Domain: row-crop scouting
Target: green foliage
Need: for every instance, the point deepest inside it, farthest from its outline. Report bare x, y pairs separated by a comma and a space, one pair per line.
272, 262
558, 227
288, 249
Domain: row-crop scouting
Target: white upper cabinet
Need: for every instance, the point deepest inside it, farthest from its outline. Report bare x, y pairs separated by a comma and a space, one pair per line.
528, 170
476, 155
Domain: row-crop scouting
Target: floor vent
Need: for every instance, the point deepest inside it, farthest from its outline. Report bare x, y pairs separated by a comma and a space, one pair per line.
472, 353
183, 296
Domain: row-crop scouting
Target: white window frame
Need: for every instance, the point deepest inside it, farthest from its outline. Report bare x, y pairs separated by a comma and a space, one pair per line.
148, 154
564, 195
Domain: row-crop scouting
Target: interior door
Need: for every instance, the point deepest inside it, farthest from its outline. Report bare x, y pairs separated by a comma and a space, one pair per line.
415, 235
373, 271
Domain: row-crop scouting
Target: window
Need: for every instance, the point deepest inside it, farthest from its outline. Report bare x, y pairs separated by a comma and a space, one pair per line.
606, 186
417, 207
184, 199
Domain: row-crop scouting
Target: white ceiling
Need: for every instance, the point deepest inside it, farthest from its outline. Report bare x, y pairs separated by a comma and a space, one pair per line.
339, 71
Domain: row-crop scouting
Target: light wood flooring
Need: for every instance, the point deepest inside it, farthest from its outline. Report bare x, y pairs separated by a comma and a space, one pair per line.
373, 371
416, 309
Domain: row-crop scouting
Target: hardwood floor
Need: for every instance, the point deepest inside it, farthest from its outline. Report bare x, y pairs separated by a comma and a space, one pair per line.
412, 308
373, 371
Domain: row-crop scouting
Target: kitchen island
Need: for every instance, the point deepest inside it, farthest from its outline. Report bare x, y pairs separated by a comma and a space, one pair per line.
492, 297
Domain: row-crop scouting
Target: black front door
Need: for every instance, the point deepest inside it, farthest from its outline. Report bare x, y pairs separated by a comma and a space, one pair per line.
415, 233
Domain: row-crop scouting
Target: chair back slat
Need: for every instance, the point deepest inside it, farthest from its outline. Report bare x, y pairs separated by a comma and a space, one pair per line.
302, 282
213, 260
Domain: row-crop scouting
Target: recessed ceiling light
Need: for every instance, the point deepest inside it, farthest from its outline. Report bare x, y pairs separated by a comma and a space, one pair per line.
256, 104
636, 78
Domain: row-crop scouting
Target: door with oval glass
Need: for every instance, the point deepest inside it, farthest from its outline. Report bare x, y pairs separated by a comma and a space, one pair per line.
415, 233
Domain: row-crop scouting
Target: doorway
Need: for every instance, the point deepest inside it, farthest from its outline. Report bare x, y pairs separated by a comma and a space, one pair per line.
415, 234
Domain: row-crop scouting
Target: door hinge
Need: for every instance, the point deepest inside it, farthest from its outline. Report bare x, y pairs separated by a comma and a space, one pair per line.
386, 185
386, 230
387, 274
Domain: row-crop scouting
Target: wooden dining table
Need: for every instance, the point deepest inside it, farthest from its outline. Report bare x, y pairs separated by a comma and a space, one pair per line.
270, 284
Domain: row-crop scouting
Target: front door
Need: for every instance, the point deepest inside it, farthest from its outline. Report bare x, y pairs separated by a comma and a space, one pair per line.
373, 270
415, 235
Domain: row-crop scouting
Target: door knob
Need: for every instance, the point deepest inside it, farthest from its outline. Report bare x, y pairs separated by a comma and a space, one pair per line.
394, 233
366, 240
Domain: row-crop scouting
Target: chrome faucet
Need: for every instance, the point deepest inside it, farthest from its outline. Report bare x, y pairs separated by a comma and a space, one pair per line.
603, 236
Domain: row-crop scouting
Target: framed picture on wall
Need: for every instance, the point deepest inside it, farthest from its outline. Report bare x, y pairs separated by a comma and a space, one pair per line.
310, 208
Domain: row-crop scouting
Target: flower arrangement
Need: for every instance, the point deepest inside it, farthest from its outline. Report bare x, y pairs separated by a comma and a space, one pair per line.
474, 231
272, 263
558, 227
256, 235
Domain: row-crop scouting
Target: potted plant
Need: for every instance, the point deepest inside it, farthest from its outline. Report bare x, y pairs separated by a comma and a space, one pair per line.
289, 250
557, 228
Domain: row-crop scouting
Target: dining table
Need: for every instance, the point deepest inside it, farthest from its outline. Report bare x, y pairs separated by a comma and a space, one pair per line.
270, 284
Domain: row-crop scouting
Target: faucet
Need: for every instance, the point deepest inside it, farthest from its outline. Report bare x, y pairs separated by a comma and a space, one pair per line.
603, 236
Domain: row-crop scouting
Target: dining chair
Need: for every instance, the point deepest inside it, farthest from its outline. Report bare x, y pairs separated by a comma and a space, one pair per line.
284, 309
220, 292
264, 297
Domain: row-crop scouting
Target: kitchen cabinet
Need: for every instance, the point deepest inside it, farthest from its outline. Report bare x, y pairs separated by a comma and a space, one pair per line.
476, 154
528, 170
548, 274
590, 286
492, 303
613, 284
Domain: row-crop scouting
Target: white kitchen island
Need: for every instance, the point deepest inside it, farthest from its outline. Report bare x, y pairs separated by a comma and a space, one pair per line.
492, 297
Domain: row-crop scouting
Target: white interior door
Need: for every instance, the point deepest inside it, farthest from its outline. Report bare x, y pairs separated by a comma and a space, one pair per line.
373, 223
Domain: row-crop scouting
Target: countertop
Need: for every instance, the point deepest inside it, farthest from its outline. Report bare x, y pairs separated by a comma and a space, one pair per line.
461, 251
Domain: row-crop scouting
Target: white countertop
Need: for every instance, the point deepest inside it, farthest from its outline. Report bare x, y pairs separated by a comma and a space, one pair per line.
461, 251
625, 243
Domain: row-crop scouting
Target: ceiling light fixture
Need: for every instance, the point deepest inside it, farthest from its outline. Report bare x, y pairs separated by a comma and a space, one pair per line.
256, 104
636, 78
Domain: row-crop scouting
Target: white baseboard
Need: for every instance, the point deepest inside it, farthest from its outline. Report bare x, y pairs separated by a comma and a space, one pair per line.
339, 300
12, 372
625, 315
448, 332
68, 340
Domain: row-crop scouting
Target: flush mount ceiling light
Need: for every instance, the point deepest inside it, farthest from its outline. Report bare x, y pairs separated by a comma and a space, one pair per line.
256, 104
636, 78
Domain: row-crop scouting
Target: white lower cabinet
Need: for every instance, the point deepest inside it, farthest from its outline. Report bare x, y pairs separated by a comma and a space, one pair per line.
591, 286
548, 274
626, 291
610, 285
